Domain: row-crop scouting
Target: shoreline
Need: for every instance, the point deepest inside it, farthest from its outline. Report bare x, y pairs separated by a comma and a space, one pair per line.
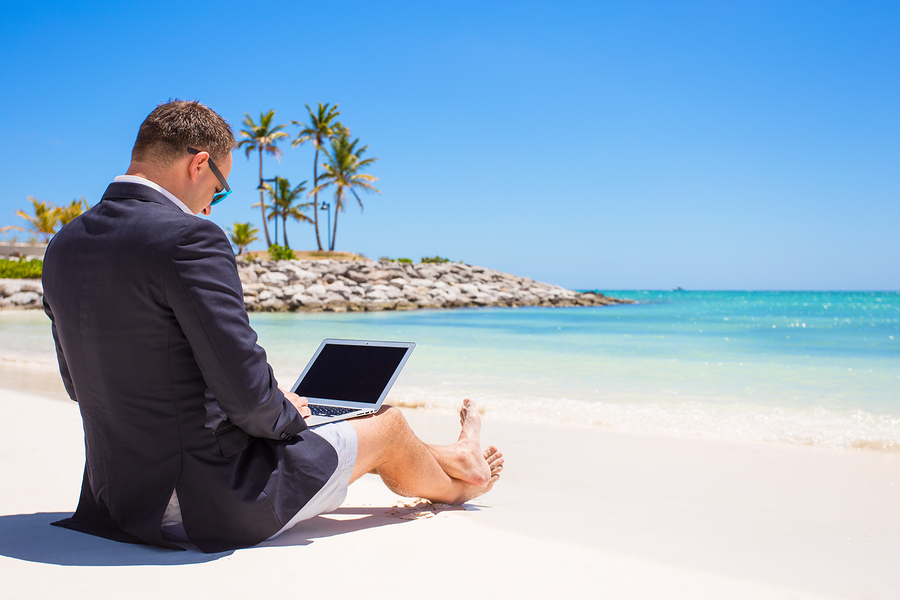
771, 426
637, 515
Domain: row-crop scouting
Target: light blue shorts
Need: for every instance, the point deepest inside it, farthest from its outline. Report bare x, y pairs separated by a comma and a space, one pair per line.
342, 436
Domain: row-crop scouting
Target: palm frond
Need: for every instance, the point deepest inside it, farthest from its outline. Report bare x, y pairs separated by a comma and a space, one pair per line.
273, 150
302, 137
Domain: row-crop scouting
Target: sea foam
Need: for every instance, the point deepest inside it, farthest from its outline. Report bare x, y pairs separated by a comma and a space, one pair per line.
805, 426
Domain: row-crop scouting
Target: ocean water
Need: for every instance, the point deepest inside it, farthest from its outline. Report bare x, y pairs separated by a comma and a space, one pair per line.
816, 368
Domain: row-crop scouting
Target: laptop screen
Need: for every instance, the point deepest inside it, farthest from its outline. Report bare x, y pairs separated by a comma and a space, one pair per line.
353, 373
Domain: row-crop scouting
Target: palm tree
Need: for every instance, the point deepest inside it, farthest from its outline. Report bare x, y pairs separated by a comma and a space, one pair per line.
262, 138
269, 211
242, 235
343, 172
67, 213
322, 126
48, 217
283, 198
44, 221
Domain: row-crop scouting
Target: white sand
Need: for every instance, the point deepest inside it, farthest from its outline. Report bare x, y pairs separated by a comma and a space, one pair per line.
578, 513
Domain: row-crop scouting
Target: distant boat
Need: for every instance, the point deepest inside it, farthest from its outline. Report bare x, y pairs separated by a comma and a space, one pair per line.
678, 289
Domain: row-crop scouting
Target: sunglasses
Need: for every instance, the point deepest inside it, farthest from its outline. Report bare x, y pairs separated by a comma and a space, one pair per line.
219, 196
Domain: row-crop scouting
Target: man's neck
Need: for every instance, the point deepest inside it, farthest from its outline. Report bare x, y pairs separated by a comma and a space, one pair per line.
144, 181
165, 178
161, 177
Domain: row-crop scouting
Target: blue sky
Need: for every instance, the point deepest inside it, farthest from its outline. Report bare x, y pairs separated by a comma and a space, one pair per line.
707, 145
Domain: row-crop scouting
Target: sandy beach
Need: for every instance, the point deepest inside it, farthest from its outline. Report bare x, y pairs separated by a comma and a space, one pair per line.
654, 242
578, 513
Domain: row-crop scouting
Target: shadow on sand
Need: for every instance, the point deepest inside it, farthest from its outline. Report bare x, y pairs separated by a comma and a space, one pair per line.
32, 538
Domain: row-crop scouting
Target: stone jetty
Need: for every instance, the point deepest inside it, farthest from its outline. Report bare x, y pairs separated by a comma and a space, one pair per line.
365, 285
21, 294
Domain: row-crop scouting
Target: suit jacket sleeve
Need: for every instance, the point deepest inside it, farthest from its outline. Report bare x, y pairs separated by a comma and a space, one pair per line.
60, 356
204, 291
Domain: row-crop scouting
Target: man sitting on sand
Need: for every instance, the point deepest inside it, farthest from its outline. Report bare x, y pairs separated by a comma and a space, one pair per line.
187, 434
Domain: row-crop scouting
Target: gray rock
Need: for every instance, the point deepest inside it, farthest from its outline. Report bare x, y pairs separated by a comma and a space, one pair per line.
377, 274
273, 278
295, 272
417, 282
340, 286
305, 301
357, 276
316, 290
377, 295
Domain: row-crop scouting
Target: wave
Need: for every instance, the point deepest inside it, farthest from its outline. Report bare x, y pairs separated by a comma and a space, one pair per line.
728, 420
35, 361
809, 427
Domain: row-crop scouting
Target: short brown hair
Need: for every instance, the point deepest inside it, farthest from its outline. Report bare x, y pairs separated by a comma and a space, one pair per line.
176, 125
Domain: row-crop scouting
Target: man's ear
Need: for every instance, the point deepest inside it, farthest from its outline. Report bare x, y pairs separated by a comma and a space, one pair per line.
197, 160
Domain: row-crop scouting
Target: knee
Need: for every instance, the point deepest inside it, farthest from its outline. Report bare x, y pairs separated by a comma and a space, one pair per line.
379, 435
392, 422
391, 415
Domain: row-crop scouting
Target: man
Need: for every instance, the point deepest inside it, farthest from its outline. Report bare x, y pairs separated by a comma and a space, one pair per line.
187, 435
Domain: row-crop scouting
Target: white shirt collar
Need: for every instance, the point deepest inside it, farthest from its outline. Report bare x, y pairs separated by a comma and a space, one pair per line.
158, 188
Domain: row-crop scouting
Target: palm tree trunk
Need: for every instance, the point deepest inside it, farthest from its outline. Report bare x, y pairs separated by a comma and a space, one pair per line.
284, 229
334, 233
262, 203
316, 198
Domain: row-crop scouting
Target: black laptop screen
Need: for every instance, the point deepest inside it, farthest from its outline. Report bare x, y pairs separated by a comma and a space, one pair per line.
354, 373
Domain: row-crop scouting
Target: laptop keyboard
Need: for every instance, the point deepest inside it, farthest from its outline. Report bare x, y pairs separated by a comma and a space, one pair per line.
321, 410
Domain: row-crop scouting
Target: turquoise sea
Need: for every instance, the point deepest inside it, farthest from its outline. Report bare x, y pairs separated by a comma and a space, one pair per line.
818, 368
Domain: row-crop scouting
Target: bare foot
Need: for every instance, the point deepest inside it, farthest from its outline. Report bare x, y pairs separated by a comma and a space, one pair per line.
474, 467
465, 460
469, 420
494, 458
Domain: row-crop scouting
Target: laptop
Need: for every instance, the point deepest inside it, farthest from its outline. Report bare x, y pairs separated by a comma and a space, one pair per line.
350, 378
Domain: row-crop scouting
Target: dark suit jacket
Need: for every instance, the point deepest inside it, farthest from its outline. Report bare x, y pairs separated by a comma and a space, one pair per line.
155, 345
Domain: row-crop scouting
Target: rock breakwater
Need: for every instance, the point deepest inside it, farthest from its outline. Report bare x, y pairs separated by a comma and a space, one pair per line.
360, 285
21, 294
364, 285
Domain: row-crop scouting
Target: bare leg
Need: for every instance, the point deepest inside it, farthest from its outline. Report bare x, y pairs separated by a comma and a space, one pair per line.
409, 467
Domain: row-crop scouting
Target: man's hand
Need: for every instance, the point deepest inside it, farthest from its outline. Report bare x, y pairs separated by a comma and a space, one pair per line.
299, 402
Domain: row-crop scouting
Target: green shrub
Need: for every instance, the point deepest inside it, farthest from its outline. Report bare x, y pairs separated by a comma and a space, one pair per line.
435, 259
404, 260
277, 252
20, 269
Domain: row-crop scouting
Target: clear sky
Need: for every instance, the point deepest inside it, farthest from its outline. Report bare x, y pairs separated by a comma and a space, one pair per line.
612, 145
